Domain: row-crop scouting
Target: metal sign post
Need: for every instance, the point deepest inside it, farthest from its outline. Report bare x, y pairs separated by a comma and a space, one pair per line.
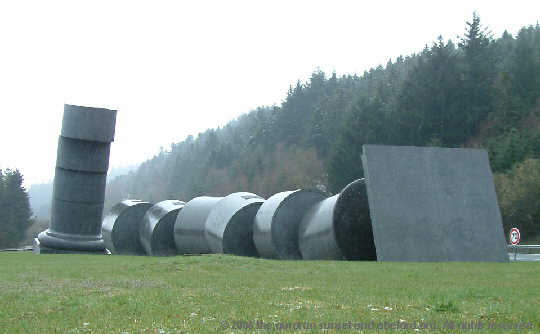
514, 240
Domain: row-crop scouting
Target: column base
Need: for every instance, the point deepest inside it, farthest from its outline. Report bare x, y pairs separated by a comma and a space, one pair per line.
49, 242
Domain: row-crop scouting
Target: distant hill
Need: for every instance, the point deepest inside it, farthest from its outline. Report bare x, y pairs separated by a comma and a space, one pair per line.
40, 199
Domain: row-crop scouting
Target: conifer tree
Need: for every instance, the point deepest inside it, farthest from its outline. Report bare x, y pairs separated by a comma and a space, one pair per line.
429, 104
477, 92
15, 212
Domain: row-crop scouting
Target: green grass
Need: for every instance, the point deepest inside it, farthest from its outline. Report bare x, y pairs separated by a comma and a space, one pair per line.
123, 294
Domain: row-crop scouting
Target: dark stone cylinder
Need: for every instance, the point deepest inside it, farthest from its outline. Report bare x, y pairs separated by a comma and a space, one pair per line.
275, 230
83, 155
121, 225
190, 225
339, 227
79, 183
87, 123
67, 215
229, 226
79, 186
157, 228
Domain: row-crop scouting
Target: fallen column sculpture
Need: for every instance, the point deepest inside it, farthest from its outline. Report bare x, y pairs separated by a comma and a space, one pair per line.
415, 204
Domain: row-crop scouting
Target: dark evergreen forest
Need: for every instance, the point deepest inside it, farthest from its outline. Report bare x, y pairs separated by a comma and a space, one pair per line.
475, 92
15, 213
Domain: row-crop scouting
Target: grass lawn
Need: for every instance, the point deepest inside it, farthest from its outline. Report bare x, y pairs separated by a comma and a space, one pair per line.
196, 294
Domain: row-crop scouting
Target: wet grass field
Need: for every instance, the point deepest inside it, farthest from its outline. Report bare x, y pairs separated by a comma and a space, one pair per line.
229, 294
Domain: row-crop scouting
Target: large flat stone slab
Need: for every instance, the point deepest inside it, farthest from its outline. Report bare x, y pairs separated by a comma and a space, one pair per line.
433, 204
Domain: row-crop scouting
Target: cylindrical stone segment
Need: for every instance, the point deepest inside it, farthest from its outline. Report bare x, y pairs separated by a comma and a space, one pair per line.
276, 225
93, 124
83, 155
121, 226
79, 182
339, 227
316, 233
79, 186
76, 218
229, 226
157, 228
190, 225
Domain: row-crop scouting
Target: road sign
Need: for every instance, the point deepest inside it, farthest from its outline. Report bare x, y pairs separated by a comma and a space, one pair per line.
514, 236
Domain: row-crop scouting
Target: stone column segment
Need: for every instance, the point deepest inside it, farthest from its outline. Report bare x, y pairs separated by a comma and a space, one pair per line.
121, 227
229, 226
275, 230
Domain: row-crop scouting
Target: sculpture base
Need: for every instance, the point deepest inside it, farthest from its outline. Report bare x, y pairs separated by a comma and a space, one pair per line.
49, 242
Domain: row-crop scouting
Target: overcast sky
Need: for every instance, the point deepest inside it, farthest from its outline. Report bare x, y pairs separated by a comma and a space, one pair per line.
175, 68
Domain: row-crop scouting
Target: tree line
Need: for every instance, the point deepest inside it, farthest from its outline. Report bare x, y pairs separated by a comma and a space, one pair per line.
476, 92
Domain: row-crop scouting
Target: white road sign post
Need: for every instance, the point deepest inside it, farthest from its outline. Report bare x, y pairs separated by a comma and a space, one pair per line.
514, 240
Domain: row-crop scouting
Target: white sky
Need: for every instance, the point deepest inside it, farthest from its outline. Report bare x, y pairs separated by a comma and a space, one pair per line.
175, 68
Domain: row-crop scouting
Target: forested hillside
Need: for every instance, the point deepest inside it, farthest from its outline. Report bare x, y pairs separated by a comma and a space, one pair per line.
475, 92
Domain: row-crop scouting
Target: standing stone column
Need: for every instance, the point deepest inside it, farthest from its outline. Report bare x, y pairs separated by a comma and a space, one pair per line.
79, 182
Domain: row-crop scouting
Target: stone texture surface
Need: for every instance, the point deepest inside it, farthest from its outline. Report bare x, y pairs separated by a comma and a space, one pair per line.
433, 204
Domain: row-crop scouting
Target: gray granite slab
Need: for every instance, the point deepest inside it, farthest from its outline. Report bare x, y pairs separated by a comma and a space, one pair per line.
433, 204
